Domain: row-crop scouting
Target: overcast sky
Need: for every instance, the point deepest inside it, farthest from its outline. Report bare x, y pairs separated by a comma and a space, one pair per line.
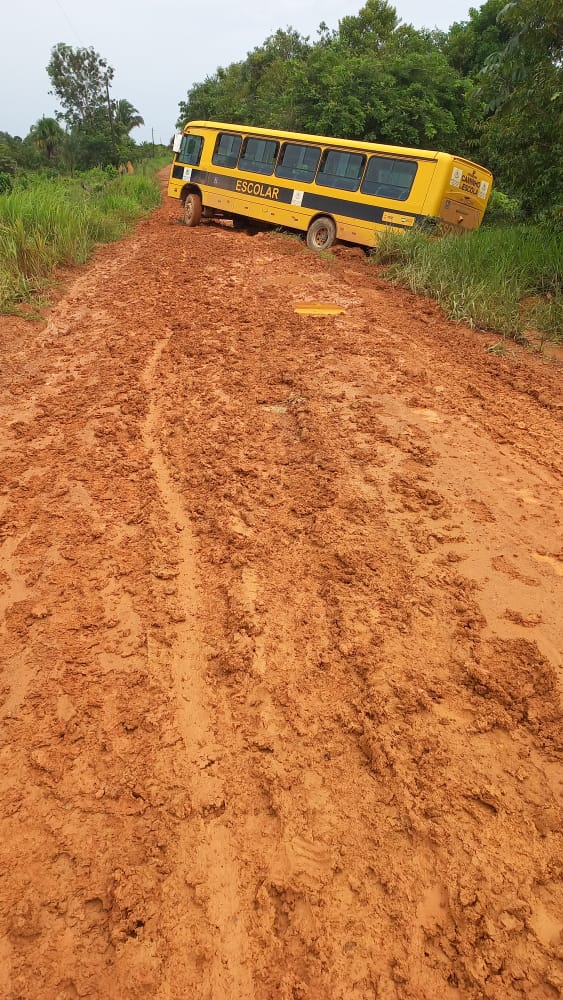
159, 49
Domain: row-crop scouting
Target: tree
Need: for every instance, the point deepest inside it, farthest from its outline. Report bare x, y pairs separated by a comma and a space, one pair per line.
7, 160
374, 78
370, 29
80, 79
93, 143
126, 117
522, 88
48, 137
262, 89
98, 126
383, 81
468, 44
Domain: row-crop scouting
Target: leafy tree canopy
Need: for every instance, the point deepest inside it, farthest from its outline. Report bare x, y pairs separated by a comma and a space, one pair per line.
373, 78
80, 79
521, 86
469, 43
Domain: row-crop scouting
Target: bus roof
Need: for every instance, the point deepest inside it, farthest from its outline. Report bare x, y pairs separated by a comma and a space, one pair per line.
323, 139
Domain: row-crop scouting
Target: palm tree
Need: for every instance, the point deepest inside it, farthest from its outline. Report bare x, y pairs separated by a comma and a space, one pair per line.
47, 135
126, 116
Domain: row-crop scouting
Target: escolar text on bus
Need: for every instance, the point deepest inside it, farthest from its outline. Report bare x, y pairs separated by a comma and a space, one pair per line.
261, 190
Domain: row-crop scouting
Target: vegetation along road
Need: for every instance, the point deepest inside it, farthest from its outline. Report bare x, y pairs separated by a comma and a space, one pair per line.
281, 669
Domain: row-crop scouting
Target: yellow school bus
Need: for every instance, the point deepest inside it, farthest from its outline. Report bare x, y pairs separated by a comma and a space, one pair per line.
329, 188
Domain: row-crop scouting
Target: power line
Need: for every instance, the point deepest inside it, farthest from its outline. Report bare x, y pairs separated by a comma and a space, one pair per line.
69, 22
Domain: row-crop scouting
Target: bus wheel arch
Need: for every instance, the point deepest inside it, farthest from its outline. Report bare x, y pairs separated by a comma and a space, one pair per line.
193, 205
321, 233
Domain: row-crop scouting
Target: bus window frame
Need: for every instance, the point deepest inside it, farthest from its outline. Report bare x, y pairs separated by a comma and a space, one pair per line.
231, 135
259, 138
298, 145
393, 159
349, 152
179, 154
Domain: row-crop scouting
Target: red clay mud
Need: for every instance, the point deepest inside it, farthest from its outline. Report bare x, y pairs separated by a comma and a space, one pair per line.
280, 637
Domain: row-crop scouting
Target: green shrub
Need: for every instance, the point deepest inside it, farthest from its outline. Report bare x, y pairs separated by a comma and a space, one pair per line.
502, 210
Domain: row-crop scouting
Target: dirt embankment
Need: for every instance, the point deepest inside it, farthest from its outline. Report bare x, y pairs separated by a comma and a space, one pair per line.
281, 667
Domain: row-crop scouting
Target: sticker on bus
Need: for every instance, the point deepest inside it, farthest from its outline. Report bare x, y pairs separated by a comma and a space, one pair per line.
398, 220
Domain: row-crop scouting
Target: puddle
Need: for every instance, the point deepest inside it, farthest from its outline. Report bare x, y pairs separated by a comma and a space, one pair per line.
318, 309
551, 561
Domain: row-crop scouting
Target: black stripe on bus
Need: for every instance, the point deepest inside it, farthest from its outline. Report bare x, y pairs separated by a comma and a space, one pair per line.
352, 209
316, 202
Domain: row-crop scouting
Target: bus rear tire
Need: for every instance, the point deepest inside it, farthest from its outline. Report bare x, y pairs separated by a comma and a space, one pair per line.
192, 210
321, 234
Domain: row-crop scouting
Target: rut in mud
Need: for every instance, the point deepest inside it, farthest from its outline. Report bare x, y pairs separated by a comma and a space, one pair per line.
281, 665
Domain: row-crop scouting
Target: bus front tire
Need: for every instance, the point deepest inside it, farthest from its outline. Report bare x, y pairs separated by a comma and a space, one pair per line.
192, 210
321, 233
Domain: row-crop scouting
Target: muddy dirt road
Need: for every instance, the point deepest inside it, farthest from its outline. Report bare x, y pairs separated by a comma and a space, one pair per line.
281, 669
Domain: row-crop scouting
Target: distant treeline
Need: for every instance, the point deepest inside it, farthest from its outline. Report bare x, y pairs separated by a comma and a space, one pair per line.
92, 129
490, 88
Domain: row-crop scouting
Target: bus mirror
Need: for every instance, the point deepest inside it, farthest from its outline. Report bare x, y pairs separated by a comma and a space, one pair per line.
177, 142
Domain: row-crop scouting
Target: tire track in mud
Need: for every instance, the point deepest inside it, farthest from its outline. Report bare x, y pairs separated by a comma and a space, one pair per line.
213, 874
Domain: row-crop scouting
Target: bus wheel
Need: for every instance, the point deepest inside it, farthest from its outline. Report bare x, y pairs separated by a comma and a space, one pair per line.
192, 210
321, 233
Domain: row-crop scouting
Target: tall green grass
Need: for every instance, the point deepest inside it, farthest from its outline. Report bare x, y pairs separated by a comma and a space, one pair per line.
48, 222
504, 279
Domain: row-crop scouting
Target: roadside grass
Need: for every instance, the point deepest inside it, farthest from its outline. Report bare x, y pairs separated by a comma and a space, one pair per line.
45, 223
507, 279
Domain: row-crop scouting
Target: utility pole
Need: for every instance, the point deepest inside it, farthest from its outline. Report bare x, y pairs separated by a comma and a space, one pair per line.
110, 116
152, 135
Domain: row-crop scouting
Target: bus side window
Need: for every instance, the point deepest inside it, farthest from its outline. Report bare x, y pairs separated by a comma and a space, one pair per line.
341, 170
259, 156
227, 148
298, 162
388, 178
190, 150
